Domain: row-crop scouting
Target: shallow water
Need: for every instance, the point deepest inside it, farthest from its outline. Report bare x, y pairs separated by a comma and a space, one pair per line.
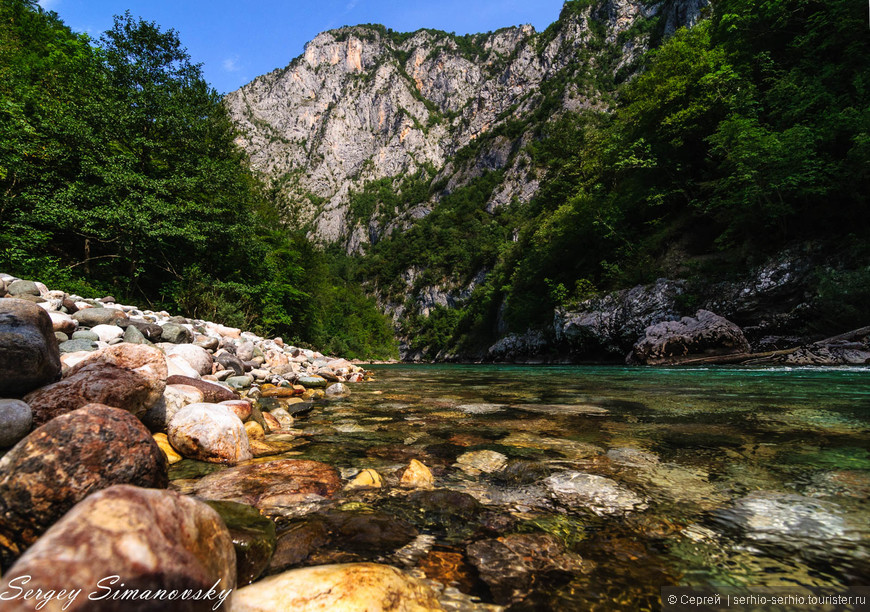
720, 477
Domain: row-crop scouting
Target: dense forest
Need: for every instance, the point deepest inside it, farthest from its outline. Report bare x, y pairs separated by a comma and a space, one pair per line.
736, 139
119, 175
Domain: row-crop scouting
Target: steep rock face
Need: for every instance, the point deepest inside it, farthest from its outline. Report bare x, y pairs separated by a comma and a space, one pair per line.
364, 103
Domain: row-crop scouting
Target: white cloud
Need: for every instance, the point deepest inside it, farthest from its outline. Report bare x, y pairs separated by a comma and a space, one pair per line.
231, 64
350, 6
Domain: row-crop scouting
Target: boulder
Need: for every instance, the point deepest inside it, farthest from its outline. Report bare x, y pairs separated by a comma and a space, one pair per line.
230, 362
91, 317
175, 397
354, 586
178, 366
64, 323
704, 335
64, 461
23, 287
151, 540
29, 357
127, 376
107, 333
213, 393
209, 432
197, 357
277, 483
176, 334
16, 419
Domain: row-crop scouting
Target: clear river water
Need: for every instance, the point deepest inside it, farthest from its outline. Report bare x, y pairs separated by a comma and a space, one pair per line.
629, 479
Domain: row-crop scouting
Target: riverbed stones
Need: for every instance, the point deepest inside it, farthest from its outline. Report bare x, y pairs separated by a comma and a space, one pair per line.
63, 461
107, 333
354, 586
175, 397
230, 362
176, 334
16, 418
285, 421
61, 322
277, 483
197, 357
22, 287
511, 564
417, 475
297, 542
253, 537
366, 479
209, 432
482, 461
312, 382
153, 540
172, 456
601, 495
704, 335
29, 356
127, 376
337, 391
77, 345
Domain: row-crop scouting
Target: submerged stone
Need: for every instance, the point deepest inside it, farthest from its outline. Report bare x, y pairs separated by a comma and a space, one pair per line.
602, 496
253, 535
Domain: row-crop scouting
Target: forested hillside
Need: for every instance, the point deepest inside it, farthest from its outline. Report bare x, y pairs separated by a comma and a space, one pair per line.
481, 182
119, 174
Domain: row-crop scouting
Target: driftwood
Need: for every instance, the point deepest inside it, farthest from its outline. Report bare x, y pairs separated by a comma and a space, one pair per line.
760, 358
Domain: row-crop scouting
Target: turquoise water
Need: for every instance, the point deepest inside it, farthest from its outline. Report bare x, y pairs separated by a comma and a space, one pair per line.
754, 477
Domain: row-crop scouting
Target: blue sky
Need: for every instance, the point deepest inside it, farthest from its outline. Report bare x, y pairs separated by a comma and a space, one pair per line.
237, 40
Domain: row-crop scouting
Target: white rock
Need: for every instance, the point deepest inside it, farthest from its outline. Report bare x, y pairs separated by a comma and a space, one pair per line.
107, 333
175, 397
197, 357
178, 366
209, 432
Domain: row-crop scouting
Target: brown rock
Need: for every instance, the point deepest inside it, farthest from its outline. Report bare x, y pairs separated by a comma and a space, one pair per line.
277, 483
270, 391
152, 540
127, 376
64, 461
241, 408
297, 543
212, 393
29, 357
271, 422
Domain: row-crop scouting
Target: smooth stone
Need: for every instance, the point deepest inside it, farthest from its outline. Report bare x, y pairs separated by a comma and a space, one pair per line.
278, 483
91, 317
127, 376
175, 397
64, 323
253, 535
481, 408
281, 392
64, 461
240, 382
417, 475
245, 351
369, 533
482, 461
254, 430
154, 540
337, 391
511, 564
360, 587
172, 456
368, 478
209, 432
207, 342
230, 362
213, 393
77, 345
16, 419
260, 375
197, 357
242, 408
311, 382
107, 333
272, 424
283, 417
85, 334
328, 374
601, 495
151, 331
61, 337
176, 334
22, 287
134, 336
177, 366
29, 356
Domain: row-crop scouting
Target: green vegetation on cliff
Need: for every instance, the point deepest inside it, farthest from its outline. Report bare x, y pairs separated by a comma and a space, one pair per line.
119, 174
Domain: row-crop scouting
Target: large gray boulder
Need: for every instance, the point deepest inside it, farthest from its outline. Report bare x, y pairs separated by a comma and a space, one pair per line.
704, 335
29, 357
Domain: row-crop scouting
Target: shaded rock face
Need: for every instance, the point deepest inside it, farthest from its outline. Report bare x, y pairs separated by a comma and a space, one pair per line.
29, 357
353, 586
849, 349
704, 335
150, 539
211, 392
15, 421
610, 324
276, 483
64, 461
127, 376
